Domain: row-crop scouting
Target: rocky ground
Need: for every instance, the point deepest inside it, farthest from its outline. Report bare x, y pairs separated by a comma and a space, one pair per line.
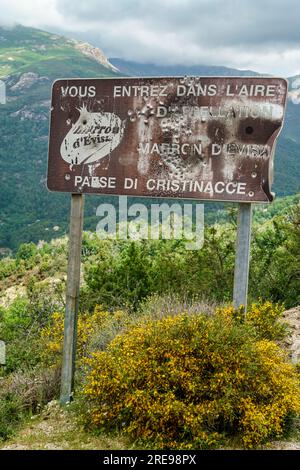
57, 429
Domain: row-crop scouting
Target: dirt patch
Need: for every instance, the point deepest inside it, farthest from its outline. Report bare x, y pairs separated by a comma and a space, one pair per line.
10, 294
57, 429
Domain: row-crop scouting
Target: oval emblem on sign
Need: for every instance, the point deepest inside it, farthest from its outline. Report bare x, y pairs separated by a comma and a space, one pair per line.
92, 137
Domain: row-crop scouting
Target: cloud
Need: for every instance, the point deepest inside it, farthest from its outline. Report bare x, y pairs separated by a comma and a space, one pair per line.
30, 12
226, 22
262, 35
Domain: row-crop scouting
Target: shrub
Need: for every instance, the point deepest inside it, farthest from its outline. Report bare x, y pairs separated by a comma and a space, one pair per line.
87, 326
23, 393
157, 306
16, 330
97, 329
7, 267
22, 321
189, 381
121, 274
264, 317
10, 414
26, 251
274, 272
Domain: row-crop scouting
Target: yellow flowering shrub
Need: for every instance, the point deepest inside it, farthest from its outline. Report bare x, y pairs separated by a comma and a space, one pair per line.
53, 334
189, 381
264, 317
263, 416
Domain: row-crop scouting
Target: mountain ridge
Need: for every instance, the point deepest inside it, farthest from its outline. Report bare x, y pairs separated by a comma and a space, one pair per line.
149, 69
31, 47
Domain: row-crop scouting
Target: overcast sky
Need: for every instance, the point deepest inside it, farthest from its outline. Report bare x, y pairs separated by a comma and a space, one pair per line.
262, 35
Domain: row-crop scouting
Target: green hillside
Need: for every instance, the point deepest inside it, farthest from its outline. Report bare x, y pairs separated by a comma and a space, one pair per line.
30, 60
32, 50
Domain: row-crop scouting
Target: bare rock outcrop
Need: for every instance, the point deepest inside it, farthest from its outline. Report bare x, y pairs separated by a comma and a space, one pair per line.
96, 54
26, 80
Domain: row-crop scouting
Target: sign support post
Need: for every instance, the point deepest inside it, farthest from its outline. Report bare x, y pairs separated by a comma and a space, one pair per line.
242, 257
72, 298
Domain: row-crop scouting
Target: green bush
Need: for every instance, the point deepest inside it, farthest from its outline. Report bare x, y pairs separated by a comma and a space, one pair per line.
191, 381
22, 321
26, 251
274, 269
7, 267
121, 274
10, 414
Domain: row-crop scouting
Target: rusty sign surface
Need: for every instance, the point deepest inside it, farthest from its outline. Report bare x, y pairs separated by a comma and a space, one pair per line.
210, 138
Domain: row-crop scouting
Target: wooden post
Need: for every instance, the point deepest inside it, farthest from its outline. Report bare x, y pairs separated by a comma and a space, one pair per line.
72, 298
242, 257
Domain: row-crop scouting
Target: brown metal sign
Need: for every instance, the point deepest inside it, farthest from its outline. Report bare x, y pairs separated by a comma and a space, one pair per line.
210, 138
